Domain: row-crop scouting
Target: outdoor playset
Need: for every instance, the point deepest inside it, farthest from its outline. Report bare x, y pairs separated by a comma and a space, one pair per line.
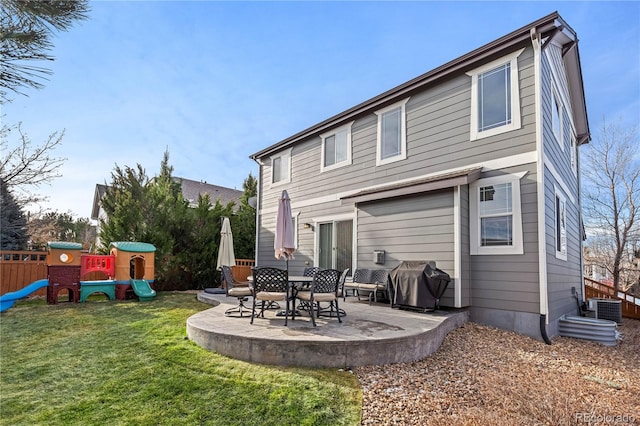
127, 272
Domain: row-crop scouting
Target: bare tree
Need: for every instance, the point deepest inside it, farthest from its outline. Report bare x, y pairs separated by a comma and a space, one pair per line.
23, 166
26, 27
611, 172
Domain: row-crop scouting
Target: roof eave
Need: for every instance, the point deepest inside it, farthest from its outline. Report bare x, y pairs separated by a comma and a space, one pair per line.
576, 87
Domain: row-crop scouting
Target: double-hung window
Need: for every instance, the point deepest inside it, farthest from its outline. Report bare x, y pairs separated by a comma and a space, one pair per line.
556, 116
574, 154
392, 133
561, 226
336, 148
281, 168
495, 215
495, 97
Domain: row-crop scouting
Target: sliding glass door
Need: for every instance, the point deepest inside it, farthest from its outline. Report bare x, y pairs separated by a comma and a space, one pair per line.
335, 244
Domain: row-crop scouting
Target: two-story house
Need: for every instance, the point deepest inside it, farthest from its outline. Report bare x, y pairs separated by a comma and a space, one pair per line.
473, 164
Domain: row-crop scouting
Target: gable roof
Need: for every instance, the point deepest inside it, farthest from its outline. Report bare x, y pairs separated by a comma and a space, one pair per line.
192, 188
549, 27
97, 196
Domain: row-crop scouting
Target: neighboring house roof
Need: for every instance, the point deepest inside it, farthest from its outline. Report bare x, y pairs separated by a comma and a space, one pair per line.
550, 27
97, 196
191, 189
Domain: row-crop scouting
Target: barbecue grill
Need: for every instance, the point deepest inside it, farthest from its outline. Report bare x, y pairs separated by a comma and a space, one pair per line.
437, 282
409, 287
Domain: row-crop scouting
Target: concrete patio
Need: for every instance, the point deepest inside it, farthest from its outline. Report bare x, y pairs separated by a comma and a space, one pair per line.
369, 334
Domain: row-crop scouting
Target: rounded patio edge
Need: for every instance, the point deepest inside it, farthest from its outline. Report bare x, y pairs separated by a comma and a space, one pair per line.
368, 335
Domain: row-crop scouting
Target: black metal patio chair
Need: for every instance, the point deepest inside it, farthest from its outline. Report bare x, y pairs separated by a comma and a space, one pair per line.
328, 311
360, 275
324, 288
270, 285
240, 290
310, 271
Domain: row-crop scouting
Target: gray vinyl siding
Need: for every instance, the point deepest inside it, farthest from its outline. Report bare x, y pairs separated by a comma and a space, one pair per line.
561, 275
438, 121
414, 228
511, 282
305, 251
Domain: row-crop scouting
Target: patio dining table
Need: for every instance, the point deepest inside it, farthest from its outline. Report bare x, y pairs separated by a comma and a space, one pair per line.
293, 279
296, 282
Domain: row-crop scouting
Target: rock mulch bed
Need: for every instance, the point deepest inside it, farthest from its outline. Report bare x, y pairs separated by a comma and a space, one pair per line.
485, 376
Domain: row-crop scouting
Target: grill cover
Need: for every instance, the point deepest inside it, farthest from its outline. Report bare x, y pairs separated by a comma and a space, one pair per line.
410, 287
437, 282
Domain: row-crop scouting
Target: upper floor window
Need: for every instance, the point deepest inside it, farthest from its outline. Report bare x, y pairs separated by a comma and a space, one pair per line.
336, 148
496, 221
561, 227
392, 133
556, 116
495, 97
281, 168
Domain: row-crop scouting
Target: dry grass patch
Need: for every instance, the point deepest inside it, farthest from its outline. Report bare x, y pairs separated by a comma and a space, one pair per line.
485, 376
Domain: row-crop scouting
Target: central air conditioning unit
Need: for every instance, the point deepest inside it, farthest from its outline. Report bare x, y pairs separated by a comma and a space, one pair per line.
609, 309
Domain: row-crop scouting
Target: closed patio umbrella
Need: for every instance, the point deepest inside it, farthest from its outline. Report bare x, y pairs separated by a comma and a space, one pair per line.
284, 244
226, 256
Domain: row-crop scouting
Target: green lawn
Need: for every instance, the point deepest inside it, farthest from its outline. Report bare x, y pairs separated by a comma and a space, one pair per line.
130, 363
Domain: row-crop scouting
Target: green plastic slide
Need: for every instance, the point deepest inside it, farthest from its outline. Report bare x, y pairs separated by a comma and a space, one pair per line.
143, 290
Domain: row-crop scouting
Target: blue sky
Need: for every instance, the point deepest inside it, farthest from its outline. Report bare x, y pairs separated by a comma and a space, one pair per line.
214, 82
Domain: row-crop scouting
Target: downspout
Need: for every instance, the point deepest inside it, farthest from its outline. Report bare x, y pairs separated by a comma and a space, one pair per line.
582, 232
542, 246
457, 251
258, 209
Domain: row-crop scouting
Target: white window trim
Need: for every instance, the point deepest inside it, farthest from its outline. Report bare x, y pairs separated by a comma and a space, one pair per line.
346, 128
295, 216
285, 154
336, 218
560, 254
557, 99
403, 133
516, 210
515, 124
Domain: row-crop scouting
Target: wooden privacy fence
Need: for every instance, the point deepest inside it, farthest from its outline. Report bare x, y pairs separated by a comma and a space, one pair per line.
596, 290
18, 269
242, 269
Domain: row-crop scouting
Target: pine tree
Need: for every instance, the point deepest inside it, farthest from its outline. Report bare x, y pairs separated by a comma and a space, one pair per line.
124, 204
26, 29
243, 223
13, 223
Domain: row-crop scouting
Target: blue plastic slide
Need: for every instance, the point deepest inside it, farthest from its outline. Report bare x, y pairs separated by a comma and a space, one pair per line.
8, 299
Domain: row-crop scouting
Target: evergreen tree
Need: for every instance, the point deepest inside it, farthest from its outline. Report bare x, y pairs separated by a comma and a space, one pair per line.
13, 224
205, 241
124, 204
186, 239
243, 223
26, 29
167, 216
